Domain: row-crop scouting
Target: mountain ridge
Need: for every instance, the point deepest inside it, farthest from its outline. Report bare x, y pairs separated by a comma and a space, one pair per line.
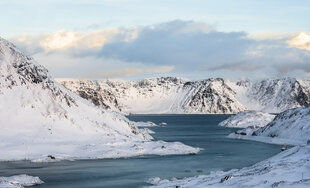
208, 96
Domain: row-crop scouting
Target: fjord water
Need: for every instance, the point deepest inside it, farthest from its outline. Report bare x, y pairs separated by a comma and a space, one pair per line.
219, 153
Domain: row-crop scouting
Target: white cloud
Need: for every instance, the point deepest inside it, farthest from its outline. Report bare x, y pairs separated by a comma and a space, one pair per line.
272, 36
60, 40
65, 40
301, 41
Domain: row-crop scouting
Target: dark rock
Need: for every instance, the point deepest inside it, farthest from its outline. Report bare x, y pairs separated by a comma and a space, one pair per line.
226, 178
51, 157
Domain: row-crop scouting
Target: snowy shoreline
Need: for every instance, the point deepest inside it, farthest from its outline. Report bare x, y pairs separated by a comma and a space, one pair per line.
288, 168
268, 140
159, 148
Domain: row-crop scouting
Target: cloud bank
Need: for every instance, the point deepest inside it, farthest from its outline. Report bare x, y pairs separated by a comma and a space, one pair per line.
172, 48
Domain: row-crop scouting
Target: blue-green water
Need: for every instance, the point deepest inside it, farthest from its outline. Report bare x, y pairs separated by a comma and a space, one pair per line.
220, 153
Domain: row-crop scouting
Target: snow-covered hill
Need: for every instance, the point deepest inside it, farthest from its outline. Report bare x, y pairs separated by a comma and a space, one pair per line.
40, 119
177, 95
292, 127
292, 124
248, 119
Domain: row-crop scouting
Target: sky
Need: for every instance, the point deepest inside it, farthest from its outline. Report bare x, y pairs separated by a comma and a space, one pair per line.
134, 39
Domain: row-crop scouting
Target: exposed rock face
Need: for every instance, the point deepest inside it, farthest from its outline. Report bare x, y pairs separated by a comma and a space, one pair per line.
280, 94
91, 91
212, 96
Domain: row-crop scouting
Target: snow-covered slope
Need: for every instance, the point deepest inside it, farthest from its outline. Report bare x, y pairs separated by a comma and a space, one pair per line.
286, 170
248, 119
177, 95
273, 95
19, 181
291, 127
163, 95
40, 119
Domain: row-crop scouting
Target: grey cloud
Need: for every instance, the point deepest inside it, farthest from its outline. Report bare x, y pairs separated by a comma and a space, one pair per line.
168, 44
289, 67
239, 66
207, 50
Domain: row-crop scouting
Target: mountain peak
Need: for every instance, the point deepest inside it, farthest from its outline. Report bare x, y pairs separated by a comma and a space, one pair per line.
17, 68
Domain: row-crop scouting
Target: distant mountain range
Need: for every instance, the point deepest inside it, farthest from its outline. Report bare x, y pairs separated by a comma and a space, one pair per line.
178, 95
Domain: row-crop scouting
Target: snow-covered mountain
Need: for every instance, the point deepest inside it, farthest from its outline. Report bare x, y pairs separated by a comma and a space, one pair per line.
177, 95
162, 95
40, 119
274, 95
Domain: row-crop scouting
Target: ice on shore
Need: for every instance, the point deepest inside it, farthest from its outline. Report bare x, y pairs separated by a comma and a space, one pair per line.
19, 181
145, 124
